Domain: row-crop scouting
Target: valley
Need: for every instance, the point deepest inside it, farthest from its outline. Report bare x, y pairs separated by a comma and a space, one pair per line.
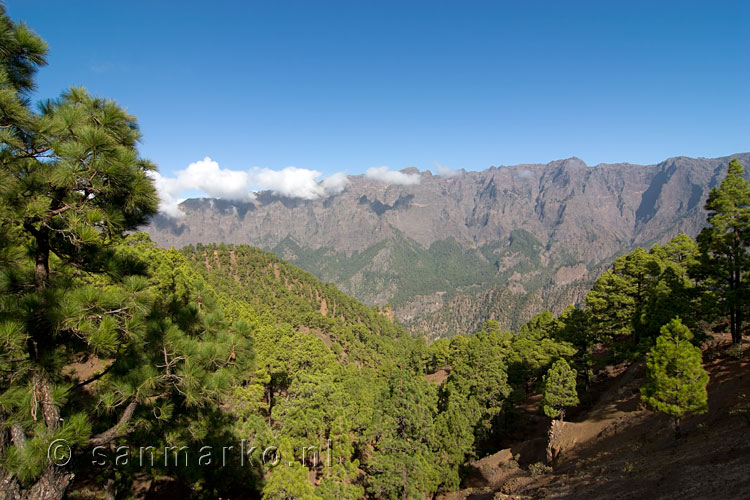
449, 253
236, 330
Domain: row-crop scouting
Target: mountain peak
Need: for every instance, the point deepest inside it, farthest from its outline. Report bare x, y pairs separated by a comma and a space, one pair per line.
573, 162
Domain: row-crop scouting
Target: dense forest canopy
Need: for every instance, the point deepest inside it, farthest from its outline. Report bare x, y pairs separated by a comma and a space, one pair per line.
109, 343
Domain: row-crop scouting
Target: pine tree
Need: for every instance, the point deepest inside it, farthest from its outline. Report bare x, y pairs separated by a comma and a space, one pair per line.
559, 389
339, 483
73, 291
617, 301
675, 293
676, 381
403, 463
288, 480
641, 292
724, 244
474, 394
534, 350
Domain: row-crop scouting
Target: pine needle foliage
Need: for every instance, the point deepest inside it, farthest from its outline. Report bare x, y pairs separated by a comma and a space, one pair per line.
676, 379
74, 294
724, 246
559, 389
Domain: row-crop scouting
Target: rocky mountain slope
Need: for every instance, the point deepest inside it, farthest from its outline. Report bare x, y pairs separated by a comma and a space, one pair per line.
448, 253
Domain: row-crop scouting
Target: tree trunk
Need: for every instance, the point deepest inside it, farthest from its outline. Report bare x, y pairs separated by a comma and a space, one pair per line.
738, 314
110, 492
8, 485
51, 485
270, 399
41, 268
50, 412
554, 442
676, 425
739, 300
54, 481
9, 489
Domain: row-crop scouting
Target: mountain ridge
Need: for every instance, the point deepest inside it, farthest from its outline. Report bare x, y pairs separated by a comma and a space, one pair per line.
502, 243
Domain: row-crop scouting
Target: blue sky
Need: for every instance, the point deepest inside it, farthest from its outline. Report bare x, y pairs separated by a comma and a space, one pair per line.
345, 86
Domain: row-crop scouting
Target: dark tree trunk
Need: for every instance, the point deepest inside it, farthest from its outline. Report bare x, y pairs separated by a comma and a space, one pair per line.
737, 299
41, 269
733, 327
740, 304
38, 341
676, 425
270, 399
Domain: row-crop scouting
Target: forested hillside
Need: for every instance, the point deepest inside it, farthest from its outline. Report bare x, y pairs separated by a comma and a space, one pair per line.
250, 279
358, 406
451, 252
220, 371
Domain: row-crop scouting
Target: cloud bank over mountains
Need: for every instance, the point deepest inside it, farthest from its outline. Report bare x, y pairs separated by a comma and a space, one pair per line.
388, 176
207, 178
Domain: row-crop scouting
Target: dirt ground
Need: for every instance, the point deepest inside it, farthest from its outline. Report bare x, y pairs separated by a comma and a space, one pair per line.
620, 450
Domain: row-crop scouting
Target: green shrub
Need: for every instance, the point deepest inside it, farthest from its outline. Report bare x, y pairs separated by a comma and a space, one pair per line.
742, 409
539, 469
735, 351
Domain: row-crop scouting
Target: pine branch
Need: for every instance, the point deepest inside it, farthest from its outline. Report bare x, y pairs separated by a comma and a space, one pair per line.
60, 210
94, 378
116, 430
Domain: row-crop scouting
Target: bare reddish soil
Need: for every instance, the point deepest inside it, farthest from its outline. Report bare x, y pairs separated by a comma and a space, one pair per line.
620, 450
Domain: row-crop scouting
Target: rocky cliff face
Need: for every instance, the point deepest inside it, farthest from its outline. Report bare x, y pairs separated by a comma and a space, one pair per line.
452, 252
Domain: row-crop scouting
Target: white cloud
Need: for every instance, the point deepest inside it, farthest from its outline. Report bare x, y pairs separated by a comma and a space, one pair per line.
216, 182
335, 183
444, 171
296, 182
388, 176
292, 182
166, 188
205, 176
208, 178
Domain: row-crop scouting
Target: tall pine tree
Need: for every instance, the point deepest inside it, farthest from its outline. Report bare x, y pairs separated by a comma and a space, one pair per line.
724, 244
72, 293
403, 463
